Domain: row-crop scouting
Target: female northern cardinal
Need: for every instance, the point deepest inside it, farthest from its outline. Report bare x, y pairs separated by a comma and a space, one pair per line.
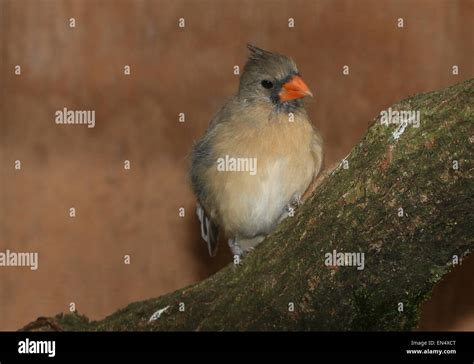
258, 155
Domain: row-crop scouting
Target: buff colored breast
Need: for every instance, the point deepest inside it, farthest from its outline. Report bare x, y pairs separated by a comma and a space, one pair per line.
247, 205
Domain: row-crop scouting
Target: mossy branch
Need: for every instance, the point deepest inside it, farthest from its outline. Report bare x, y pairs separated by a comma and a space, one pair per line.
424, 171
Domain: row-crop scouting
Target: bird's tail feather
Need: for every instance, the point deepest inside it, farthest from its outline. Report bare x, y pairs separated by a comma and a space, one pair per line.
209, 230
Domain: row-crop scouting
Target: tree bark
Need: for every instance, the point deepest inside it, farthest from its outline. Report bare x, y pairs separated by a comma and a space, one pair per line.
403, 198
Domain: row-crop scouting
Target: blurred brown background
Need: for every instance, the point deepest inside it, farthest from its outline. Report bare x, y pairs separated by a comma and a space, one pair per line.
176, 70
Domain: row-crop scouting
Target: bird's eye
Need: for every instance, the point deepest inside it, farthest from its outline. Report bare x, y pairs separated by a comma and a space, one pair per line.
267, 84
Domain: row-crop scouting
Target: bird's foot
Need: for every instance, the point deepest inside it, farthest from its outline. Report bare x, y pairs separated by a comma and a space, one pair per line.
297, 200
238, 252
291, 207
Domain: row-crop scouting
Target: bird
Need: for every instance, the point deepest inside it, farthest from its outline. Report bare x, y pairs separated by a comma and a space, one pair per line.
265, 124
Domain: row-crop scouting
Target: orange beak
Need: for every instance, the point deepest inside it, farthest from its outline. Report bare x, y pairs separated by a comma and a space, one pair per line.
295, 88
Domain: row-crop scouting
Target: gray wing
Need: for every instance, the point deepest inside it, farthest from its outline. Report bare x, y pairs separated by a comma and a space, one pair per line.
202, 159
202, 154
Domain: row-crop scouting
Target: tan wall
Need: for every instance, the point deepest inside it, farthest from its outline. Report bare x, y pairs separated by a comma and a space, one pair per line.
178, 70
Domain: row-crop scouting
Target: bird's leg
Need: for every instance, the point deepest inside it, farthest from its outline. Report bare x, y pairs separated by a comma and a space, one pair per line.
293, 204
241, 248
235, 248
237, 252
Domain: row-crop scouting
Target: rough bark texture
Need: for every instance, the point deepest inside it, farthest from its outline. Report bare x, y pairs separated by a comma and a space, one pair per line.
352, 210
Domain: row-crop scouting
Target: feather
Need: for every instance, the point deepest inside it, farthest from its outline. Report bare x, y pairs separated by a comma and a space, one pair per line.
258, 53
209, 230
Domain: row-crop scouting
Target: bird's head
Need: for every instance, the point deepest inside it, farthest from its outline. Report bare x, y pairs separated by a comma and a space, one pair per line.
273, 78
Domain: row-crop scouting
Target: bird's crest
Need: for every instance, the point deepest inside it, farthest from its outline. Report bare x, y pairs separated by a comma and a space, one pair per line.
258, 53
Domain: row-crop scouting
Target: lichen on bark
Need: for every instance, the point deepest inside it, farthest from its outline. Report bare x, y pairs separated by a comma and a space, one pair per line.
354, 209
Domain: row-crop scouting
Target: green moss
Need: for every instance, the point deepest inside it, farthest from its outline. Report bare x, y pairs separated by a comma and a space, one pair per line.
74, 322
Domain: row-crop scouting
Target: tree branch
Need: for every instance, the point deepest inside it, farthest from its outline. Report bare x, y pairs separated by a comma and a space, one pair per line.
354, 209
